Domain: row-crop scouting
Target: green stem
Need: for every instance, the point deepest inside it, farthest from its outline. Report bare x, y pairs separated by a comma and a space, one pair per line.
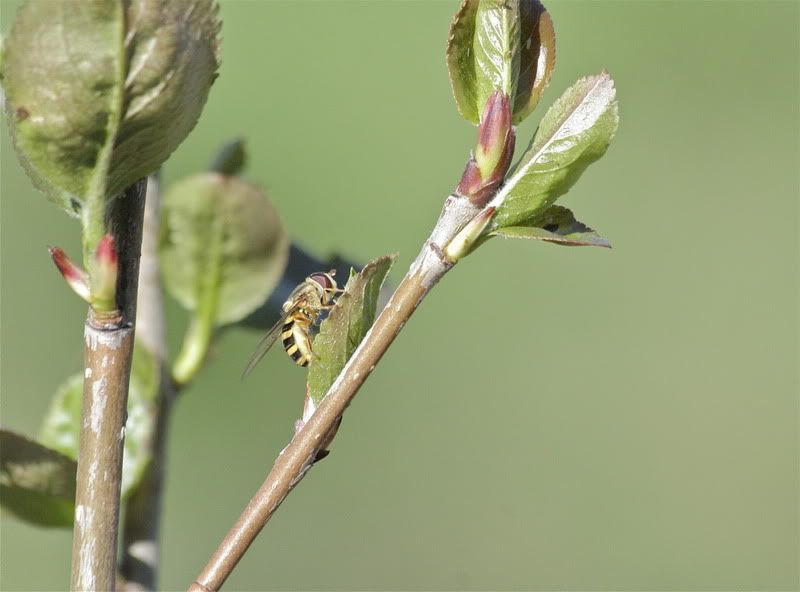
201, 330
94, 212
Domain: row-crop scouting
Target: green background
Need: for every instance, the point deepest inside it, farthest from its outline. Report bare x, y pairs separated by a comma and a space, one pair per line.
551, 418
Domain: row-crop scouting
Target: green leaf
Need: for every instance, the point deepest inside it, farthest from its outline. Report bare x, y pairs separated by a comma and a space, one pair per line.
574, 133
557, 225
223, 247
506, 45
346, 325
37, 484
99, 94
62, 424
537, 58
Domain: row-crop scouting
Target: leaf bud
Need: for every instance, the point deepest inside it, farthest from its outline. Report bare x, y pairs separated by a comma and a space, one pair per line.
466, 239
75, 276
103, 277
487, 167
493, 133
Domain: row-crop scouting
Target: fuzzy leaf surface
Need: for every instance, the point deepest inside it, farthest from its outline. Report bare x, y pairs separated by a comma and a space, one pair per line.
557, 225
574, 133
99, 94
37, 484
346, 325
500, 45
223, 247
62, 424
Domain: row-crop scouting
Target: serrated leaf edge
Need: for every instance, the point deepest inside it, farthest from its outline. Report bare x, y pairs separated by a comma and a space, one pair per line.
522, 169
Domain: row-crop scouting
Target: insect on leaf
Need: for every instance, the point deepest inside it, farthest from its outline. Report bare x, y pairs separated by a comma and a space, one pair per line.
346, 325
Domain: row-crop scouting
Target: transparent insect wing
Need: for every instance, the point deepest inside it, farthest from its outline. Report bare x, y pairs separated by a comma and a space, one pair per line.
264, 345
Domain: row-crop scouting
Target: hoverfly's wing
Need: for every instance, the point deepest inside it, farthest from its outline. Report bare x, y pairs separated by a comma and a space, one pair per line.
264, 345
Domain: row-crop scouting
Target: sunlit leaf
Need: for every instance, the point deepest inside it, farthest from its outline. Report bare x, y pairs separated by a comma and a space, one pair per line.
557, 225
100, 93
346, 325
574, 133
62, 424
506, 45
37, 484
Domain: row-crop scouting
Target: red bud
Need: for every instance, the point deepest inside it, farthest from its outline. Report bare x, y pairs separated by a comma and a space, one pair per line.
486, 170
493, 132
75, 276
106, 253
103, 278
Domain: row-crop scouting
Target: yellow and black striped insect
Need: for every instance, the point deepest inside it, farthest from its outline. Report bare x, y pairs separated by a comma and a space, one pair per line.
299, 313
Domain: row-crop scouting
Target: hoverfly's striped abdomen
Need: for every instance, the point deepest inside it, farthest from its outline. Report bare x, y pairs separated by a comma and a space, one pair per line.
294, 335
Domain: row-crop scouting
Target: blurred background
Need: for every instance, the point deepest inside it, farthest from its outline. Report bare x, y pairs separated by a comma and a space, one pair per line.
551, 418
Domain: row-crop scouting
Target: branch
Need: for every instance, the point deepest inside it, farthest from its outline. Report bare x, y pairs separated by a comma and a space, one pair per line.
107, 359
140, 535
298, 457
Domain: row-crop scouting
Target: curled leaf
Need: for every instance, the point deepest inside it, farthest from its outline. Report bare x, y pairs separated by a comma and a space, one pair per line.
346, 325
99, 94
557, 225
37, 484
574, 133
505, 45
223, 247
62, 424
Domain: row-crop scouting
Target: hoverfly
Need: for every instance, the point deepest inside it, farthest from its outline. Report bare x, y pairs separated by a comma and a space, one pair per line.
299, 313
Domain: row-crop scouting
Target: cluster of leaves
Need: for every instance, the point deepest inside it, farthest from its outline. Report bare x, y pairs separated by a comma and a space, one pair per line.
508, 46
222, 251
223, 248
222, 245
98, 95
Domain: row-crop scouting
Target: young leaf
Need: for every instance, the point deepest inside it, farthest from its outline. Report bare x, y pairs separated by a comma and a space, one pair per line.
62, 424
574, 133
99, 94
37, 484
506, 45
537, 57
346, 325
557, 225
223, 247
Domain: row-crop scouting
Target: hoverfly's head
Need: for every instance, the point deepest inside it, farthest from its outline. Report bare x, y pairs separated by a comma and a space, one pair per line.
327, 283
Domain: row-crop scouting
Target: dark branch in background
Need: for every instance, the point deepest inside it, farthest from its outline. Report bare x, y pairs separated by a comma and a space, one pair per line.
108, 351
141, 531
125, 221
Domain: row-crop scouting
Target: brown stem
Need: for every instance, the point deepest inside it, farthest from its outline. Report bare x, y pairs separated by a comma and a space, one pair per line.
297, 458
107, 360
140, 534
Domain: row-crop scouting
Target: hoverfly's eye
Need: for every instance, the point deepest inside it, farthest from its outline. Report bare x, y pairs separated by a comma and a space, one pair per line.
324, 280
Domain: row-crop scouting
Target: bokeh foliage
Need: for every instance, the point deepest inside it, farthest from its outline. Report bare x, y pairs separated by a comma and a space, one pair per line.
651, 407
